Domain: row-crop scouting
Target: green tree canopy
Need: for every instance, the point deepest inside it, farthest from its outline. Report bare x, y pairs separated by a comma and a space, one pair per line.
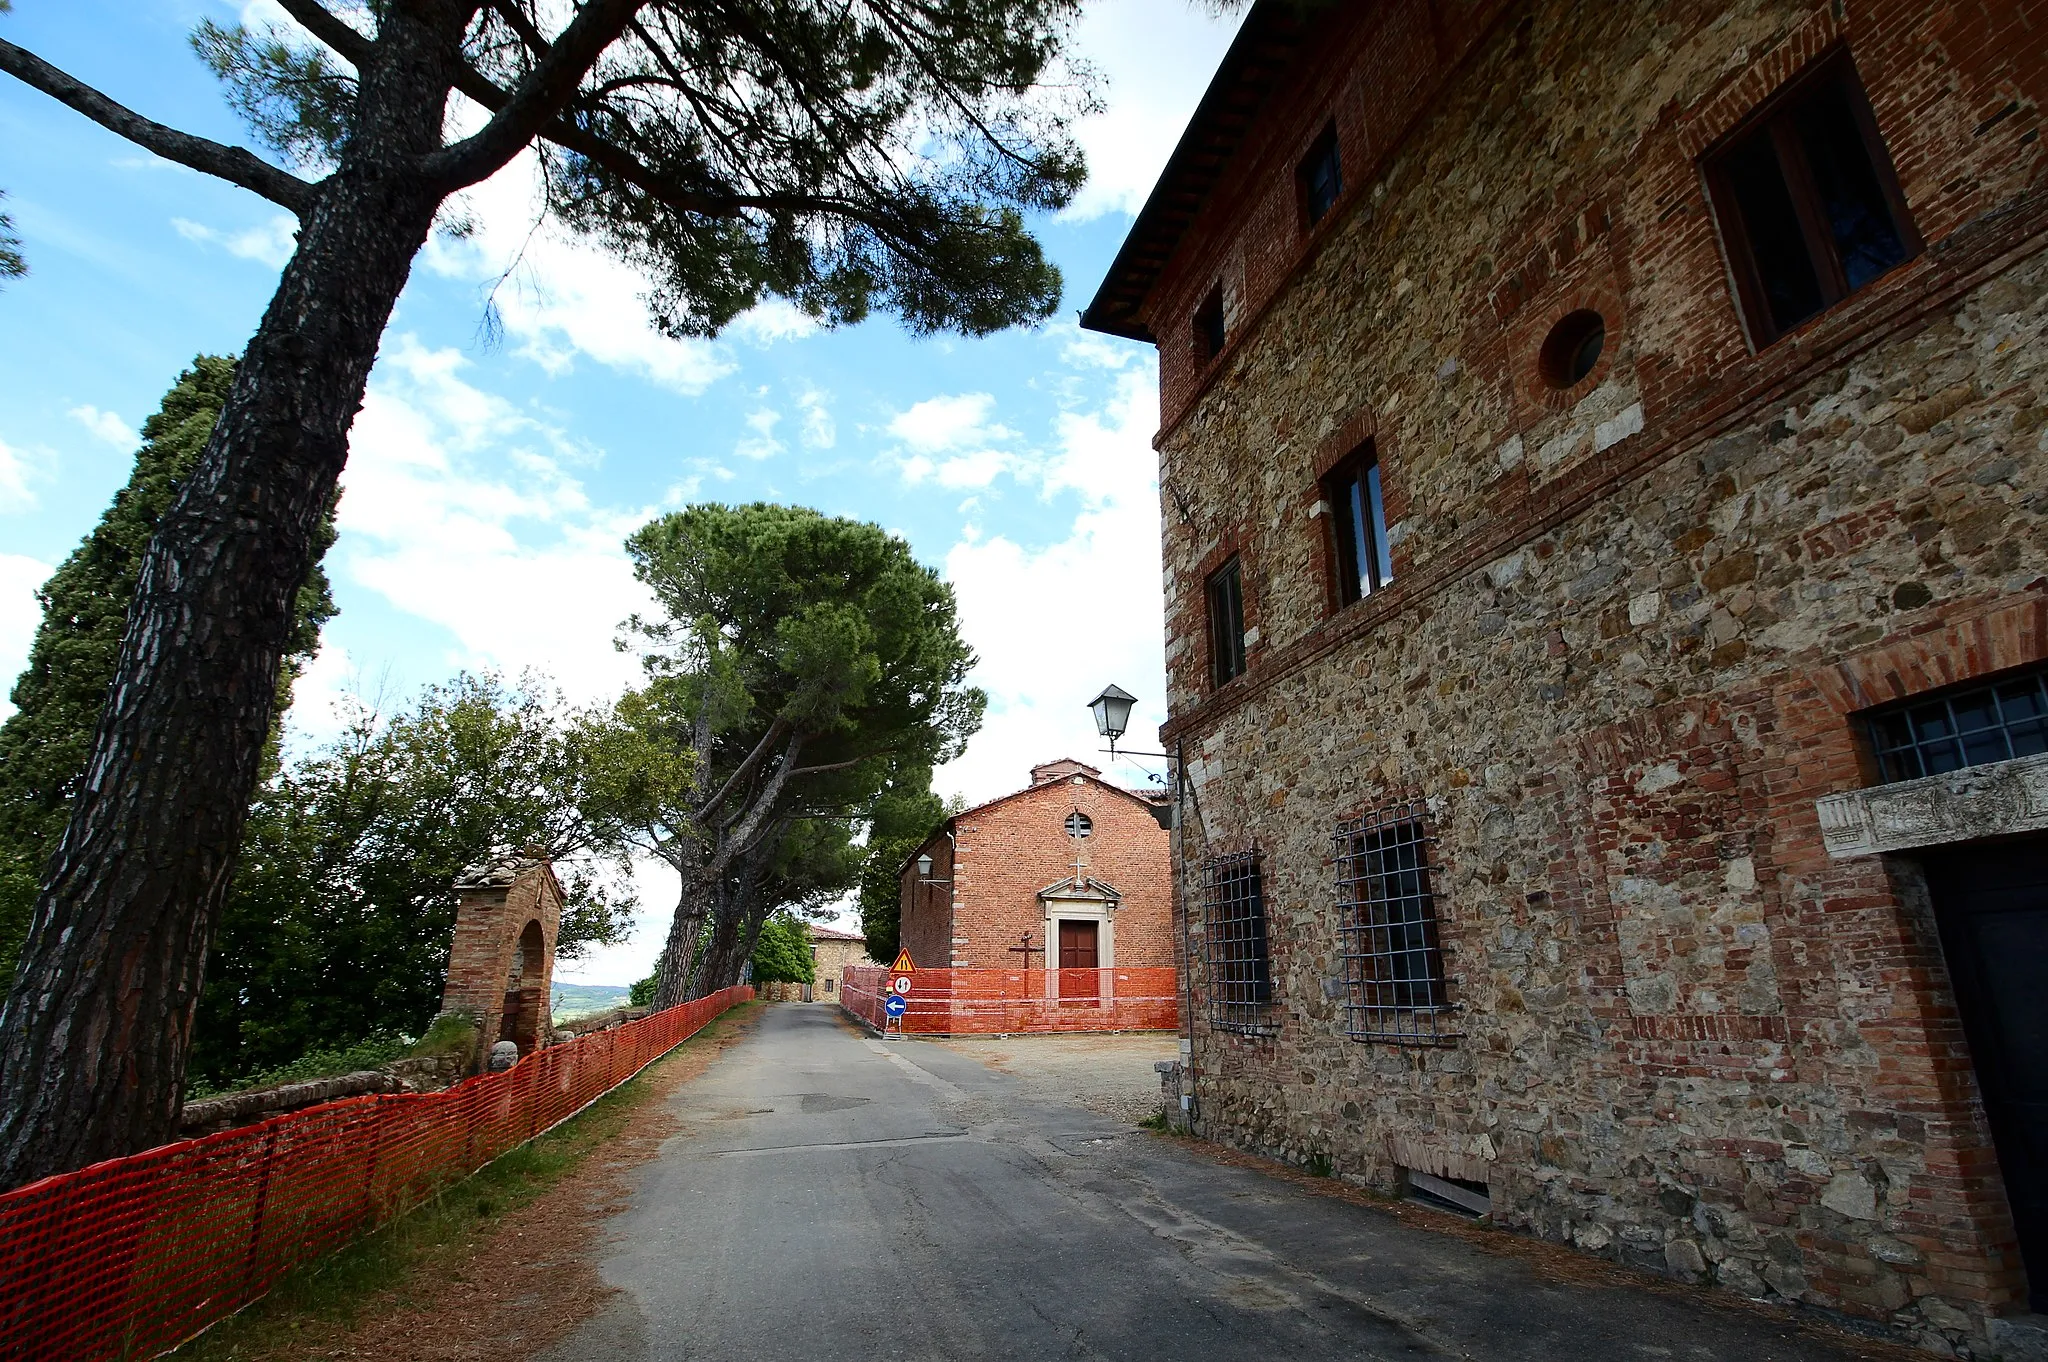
44, 744
782, 954
339, 921
812, 664
904, 815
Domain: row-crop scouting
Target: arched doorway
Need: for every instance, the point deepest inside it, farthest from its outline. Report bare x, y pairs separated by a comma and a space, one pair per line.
525, 1006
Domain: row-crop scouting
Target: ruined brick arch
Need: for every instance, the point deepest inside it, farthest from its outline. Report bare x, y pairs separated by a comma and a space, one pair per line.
501, 964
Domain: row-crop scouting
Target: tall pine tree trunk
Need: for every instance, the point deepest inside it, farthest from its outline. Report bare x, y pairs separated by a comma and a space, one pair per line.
94, 1034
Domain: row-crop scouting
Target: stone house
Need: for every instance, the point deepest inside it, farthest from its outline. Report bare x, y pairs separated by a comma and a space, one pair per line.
1071, 871
831, 952
1605, 521
501, 963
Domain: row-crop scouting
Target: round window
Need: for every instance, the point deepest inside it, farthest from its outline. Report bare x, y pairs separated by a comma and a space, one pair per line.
1572, 348
1079, 824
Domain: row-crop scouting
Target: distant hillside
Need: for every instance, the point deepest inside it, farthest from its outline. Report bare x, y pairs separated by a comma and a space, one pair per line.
575, 1000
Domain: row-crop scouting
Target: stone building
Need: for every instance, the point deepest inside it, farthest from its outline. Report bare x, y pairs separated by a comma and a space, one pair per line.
1070, 872
831, 952
501, 965
1605, 522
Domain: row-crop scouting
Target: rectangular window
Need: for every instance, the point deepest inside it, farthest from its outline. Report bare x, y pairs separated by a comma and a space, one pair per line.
1226, 624
1319, 179
1234, 927
1209, 326
1358, 525
828, 985
1966, 727
1808, 202
1393, 965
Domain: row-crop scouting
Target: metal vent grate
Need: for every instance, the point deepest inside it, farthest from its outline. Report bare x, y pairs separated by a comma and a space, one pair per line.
1234, 930
1393, 964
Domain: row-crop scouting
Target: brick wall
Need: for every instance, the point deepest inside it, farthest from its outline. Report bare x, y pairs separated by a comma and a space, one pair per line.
1628, 626
1000, 855
491, 920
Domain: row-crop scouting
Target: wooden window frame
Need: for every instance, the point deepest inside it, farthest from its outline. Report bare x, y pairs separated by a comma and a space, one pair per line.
1354, 581
1325, 144
1210, 326
1772, 118
1226, 663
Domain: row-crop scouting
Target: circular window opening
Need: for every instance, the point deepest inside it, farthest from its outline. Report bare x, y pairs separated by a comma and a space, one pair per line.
1079, 824
1572, 348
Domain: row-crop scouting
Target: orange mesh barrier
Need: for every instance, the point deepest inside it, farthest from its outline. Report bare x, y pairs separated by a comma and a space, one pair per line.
130, 1257
959, 1002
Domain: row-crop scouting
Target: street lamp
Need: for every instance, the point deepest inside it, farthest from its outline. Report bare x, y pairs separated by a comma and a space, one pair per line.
1112, 712
924, 872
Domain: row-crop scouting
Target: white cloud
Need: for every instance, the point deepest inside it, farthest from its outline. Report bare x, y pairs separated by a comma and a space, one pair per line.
270, 244
943, 423
762, 444
1157, 57
15, 493
460, 509
772, 320
106, 426
1051, 625
818, 430
560, 297
20, 613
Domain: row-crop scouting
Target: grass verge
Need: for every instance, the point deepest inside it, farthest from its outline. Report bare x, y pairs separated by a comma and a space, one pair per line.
413, 1257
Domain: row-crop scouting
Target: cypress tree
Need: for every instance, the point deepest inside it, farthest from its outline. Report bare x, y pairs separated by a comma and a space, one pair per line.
44, 745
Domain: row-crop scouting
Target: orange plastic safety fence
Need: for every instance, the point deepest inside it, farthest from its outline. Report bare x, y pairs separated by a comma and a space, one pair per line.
957, 1002
130, 1257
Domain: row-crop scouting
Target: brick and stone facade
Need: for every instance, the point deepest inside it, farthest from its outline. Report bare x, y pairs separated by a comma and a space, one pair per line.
501, 965
1007, 869
1633, 621
831, 952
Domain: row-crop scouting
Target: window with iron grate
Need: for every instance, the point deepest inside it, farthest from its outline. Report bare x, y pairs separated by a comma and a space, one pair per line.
1969, 726
1234, 928
1393, 963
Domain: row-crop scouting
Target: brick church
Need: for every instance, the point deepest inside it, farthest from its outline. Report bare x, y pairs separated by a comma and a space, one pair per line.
1605, 520
1069, 873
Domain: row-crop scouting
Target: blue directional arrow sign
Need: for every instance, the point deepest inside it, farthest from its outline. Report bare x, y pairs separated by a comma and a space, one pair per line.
896, 1005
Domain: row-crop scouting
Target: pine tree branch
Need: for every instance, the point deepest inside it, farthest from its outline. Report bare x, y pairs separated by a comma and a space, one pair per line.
539, 98
233, 164
330, 28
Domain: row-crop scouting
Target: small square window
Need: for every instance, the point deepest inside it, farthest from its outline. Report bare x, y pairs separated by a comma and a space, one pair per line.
1209, 335
1226, 623
1808, 202
1358, 526
1320, 177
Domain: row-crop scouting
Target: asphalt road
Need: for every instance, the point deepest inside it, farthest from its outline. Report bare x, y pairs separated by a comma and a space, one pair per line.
832, 1196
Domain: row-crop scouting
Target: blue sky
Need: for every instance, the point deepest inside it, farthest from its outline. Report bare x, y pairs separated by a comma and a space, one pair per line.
491, 480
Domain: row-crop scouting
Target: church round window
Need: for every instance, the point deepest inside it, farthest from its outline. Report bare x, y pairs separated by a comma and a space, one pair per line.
1079, 824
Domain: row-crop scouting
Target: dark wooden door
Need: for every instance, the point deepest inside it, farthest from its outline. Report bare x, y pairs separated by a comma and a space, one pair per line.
1077, 945
1991, 901
1080, 981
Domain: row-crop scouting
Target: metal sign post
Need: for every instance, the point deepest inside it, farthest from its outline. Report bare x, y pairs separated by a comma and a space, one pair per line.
898, 1001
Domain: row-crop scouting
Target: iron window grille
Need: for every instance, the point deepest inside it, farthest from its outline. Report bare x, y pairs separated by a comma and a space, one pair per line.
1395, 989
1358, 524
1234, 930
1968, 727
1808, 201
1320, 176
1226, 623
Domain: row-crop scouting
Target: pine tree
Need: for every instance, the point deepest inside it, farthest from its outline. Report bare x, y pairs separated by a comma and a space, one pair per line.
58, 698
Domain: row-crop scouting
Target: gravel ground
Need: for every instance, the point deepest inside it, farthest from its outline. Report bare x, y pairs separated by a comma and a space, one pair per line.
1110, 1074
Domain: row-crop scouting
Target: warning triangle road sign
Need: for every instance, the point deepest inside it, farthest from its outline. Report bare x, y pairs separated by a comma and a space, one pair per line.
903, 965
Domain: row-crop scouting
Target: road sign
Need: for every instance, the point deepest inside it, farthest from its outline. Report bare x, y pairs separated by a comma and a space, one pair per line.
896, 1005
900, 985
903, 965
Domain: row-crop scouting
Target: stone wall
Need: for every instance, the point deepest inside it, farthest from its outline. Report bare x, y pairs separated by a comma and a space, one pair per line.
1627, 633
